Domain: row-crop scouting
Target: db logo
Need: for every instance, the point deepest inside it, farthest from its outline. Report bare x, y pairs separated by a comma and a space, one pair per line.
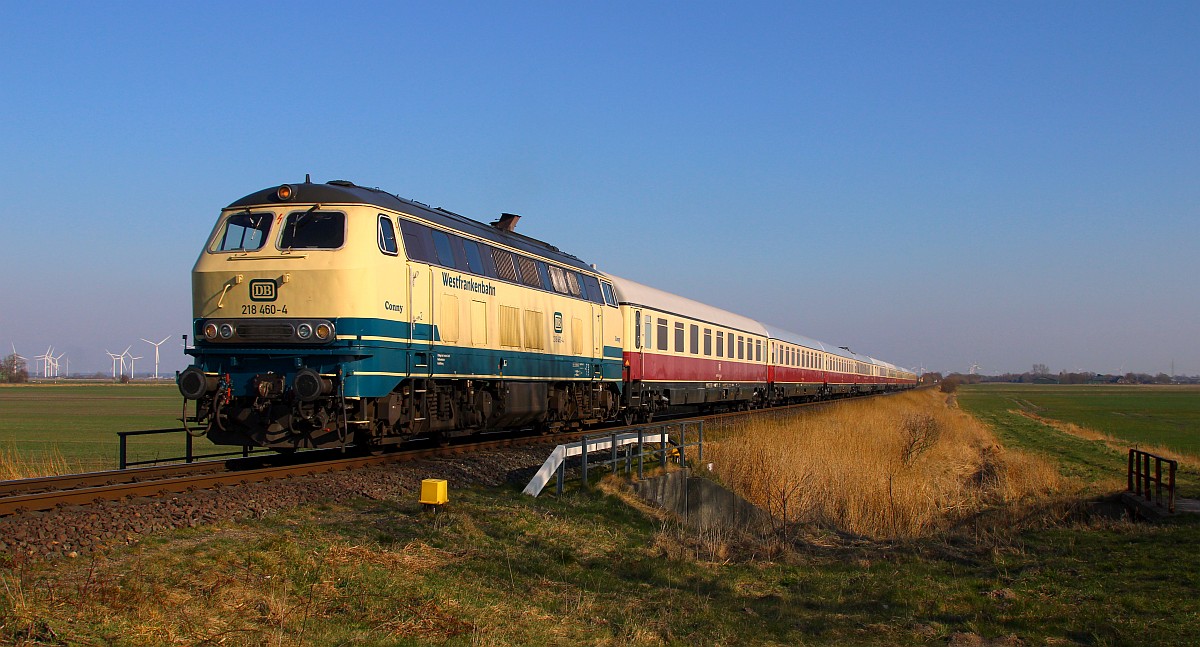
558, 327
262, 290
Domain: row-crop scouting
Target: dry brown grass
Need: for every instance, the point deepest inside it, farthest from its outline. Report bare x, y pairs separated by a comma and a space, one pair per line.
900, 467
18, 465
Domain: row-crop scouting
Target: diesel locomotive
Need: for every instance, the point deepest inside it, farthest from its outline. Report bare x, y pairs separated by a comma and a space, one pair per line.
332, 314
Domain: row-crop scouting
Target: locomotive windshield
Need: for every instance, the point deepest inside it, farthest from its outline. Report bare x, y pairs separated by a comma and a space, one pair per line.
313, 230
244, 232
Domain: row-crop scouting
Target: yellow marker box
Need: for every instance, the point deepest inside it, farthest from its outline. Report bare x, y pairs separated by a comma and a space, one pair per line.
434, 492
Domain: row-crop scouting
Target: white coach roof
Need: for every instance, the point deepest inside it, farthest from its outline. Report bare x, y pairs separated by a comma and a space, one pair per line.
633, 293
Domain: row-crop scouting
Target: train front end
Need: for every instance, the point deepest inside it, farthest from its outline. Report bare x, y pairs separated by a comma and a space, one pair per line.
284, 292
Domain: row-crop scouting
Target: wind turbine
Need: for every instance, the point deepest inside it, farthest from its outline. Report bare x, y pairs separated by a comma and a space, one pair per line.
131, 359
115, 357
20, 362
156, 345
60, 356
125, 353
47, 360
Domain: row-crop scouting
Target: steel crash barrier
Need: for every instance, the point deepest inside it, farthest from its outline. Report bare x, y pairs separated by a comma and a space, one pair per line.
189, 453
649, 444
1141, 477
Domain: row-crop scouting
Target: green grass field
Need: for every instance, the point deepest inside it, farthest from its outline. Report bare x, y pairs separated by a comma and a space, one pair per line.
1153, 415
80, 422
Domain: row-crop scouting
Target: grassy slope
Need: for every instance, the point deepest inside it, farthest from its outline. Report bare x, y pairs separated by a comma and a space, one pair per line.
501, 568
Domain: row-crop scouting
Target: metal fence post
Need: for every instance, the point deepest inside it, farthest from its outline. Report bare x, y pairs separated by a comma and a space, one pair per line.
612, 439
188, 457
562, 470
124, 456
641, 453
583, 451
663, 437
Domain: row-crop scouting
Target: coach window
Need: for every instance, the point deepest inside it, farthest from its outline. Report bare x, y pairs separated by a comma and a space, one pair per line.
313, 230
694, 339
678, 336
662, 334
608, 295
708, 342
730, 347
741, 347
387, 236
720, 343
758, 350
646, 335
244, 232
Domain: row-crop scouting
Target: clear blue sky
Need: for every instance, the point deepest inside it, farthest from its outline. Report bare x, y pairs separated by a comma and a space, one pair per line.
936, 184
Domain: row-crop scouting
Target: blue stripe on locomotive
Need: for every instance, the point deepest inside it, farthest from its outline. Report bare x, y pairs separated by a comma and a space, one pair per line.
373, 367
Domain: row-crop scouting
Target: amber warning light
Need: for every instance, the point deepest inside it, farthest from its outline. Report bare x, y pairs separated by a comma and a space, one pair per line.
285, 192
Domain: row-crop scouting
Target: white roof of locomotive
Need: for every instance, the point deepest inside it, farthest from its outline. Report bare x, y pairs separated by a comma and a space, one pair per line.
634, 293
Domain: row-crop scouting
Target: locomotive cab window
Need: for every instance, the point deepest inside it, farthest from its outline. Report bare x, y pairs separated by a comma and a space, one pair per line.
244, 232
313, 230
608, 294
387, 236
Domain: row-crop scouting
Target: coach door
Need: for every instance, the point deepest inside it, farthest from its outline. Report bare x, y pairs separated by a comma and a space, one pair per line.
420, 310
641, 339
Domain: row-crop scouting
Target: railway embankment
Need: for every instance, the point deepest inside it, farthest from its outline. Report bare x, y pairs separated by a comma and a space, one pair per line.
497, 567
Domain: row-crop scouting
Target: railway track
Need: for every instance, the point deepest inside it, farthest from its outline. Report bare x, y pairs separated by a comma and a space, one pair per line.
36, 494
29, 495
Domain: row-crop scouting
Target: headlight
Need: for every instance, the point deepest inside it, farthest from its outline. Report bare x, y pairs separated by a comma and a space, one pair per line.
304, 331
324, 331
210, 331
226, 331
